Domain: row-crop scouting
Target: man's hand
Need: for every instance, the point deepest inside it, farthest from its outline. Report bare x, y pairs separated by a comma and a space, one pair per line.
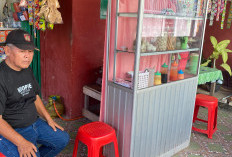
54, 125
44, 114
27, 149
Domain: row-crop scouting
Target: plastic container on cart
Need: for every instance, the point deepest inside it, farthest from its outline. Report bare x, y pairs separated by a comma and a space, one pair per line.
171, 42
164, 73
180, 75
157, 78
161, 42
194, 57
174, 71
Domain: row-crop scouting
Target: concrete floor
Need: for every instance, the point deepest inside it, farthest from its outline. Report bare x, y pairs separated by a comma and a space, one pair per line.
200, 145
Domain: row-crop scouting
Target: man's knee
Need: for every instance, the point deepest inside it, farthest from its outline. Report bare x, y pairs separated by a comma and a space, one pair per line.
7, 148
64, 140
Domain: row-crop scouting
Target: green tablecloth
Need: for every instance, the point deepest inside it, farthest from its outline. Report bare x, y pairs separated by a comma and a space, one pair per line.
208, 74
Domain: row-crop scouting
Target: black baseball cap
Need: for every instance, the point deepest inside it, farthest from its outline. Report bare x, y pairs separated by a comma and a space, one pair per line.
21, 39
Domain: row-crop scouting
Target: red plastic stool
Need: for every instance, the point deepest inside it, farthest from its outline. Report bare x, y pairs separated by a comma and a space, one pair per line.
211, 103
95, 135
1, 155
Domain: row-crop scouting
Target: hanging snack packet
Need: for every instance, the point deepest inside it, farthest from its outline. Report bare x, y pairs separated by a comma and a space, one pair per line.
30, 11
16, 7
50, 26
21, 16
42, 24
15, 16
36, 17
23, 5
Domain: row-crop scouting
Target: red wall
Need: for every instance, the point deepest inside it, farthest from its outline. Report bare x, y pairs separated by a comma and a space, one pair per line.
56, 55
88, 48
219, 34
71, 52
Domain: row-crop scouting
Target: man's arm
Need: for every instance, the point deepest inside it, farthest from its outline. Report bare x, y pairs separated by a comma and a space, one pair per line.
44, 113
25, 147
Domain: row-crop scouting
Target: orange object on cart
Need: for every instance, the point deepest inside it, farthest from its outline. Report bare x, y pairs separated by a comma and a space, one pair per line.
174, 71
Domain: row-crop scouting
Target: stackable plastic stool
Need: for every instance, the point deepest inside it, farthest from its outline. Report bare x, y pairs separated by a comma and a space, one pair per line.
95, 135
211, 103
1, 155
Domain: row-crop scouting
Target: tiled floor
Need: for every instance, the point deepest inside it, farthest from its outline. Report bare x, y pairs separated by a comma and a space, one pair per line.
220, 145
200, 145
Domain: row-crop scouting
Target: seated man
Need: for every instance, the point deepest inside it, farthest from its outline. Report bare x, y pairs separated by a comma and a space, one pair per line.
20, 127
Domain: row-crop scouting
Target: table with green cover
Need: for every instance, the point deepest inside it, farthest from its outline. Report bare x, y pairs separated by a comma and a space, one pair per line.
208, 74
211, 75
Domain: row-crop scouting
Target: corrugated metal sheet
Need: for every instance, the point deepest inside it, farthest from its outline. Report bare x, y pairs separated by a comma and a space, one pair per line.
119, 114
162, 118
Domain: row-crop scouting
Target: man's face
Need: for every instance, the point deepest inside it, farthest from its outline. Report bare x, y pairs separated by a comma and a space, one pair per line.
18, 59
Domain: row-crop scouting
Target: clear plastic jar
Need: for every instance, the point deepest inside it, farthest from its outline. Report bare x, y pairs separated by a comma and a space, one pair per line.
161, 42
171, 42
178, 43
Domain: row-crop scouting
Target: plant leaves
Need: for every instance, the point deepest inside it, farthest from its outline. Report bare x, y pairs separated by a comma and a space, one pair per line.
226, 67
206, 63
215, 55
222, 45
216, 49
227, 50
213, 41
224, 57
223, 42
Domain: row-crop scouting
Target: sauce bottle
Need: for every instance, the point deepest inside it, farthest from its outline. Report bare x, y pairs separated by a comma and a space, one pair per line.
174, 71
157, 78
180, 74
164, 73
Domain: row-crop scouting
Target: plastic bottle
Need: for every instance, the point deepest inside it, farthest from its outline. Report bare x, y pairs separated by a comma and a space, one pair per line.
174, 71
193, 63
184, 43
180, 75
157, 78
164, 73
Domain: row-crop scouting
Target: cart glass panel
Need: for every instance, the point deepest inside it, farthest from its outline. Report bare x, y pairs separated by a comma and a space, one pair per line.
170, 43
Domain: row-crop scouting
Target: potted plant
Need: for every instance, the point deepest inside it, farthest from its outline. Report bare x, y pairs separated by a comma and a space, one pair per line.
219, 49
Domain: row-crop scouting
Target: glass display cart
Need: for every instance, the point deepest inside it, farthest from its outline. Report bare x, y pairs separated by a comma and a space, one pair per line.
153, 55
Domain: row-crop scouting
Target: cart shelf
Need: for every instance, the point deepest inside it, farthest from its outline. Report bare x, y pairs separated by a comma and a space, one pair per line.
146, 15
161, 52
6, 29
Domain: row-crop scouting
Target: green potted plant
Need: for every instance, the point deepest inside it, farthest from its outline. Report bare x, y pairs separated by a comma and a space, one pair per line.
219, 49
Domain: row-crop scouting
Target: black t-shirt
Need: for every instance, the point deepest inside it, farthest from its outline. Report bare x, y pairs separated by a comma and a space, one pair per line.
18, 90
